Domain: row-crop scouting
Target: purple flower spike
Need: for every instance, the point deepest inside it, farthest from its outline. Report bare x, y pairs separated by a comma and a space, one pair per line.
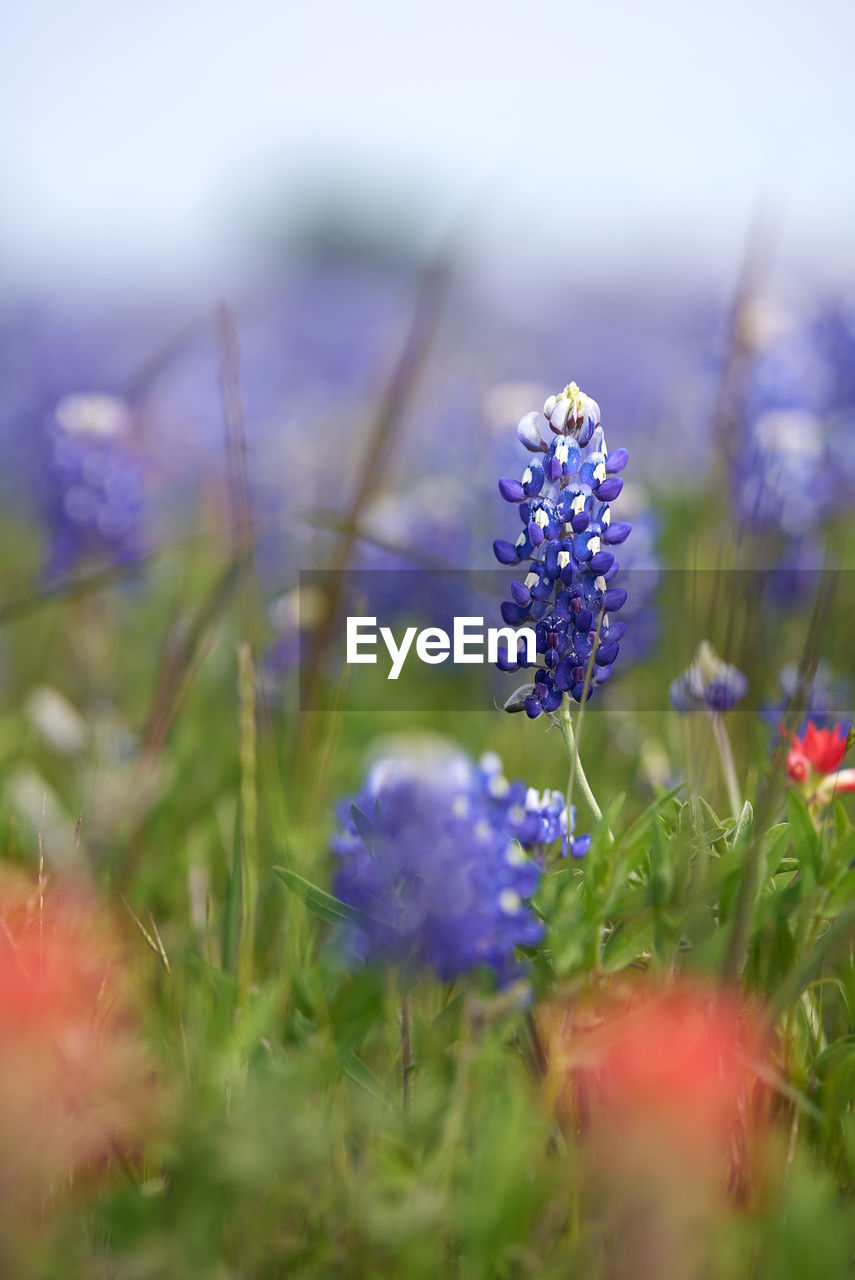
566, 594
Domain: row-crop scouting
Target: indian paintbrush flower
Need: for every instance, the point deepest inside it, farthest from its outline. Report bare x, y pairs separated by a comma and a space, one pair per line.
75, 1086
660, 1087
814, 760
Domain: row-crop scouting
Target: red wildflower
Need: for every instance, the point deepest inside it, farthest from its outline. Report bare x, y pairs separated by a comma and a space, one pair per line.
75, 1089
659, 1086
816, 752
678, 1059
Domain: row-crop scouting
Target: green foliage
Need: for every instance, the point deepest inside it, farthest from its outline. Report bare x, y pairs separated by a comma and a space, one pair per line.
284, 1148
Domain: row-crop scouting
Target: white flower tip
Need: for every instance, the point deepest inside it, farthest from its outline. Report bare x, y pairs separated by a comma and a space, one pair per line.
510, 902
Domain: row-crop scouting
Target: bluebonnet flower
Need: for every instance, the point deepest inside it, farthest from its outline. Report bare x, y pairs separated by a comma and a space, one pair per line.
826, 699
536, 819
641, 571
797, 430
440, 858
708, 684
290, 617
564, 498
97, 491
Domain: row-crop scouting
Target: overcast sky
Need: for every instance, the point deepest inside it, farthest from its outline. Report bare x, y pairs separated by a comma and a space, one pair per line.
148, 138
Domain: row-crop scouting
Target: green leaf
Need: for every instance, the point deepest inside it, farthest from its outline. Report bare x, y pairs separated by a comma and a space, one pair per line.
627, 942
363, 826
842, 1048
841, 819
804, 834
321, 904
355, 1069
635, 843
774, 845
844, 851
744, 825
221, 982
232, 906
804, 971
704, 816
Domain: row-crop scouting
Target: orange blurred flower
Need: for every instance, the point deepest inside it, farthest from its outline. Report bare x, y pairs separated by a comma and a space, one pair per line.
659, 1087
75, 1087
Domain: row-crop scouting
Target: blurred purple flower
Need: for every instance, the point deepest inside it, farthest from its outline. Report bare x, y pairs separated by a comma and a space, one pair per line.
708, 684
439, 859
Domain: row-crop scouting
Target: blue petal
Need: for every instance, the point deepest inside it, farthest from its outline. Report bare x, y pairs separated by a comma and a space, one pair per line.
602, 562
505, 552
512, 613
614, 599
511, 490
616, 533
609, 489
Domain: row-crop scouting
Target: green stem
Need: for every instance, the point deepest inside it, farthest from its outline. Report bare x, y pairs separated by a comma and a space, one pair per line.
725, 753
577, 771
248, 813
406, 1053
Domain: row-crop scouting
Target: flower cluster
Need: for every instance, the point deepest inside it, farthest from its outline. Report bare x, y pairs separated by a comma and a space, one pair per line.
438, 857
96, 501
708, 683
564, 499
536, 819
797, 429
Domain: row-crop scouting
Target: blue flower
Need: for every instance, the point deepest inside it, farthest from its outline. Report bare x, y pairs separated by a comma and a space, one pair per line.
536, 819
826, 699
708, 684
795, 467
440, 858
97, 491
568, 544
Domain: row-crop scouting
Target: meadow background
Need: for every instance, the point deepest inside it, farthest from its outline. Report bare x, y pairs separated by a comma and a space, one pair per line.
278, 285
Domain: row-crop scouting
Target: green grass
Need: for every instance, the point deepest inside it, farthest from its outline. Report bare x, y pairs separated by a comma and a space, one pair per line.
284, 1148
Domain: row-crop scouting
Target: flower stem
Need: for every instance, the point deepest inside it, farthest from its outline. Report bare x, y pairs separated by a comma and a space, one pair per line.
725, 753
577, 771
406, 1053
